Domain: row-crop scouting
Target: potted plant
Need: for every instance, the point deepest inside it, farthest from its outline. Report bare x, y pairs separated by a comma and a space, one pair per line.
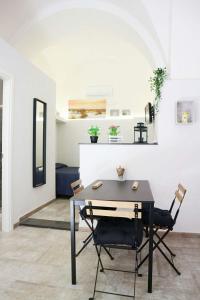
113, 134
94, 132
113, 130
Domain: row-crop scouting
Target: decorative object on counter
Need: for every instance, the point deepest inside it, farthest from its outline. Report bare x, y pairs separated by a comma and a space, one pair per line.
96, 185
114, 134
185, 112
126, 112
94, 132
156, 84
120, 172
114, 112
135, 185
140, 133
113, 130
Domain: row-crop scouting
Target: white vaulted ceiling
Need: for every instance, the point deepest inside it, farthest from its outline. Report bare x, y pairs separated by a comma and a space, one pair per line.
62, 37
49, 20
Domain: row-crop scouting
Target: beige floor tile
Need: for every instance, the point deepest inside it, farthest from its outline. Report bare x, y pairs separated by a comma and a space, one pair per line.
58, 211
35, 265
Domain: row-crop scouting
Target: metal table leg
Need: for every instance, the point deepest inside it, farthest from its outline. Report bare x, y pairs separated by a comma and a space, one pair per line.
73, 241
150, 265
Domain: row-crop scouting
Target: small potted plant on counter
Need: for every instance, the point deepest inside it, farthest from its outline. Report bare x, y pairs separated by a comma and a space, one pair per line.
114, 134
94, 132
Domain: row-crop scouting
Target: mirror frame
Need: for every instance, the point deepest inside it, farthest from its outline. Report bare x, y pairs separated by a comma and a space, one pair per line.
35, 101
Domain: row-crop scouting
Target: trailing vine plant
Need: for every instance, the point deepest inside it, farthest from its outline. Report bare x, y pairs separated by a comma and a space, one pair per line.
156, 84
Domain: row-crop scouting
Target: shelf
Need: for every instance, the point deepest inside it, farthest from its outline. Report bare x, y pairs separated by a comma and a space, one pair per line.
60, 120
120, 143
185, 112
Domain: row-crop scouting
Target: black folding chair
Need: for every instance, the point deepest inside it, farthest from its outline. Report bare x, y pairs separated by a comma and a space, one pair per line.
120, 228
77, 187
164, 220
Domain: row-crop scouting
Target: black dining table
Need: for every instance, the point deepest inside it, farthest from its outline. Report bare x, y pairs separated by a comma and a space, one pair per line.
118, 191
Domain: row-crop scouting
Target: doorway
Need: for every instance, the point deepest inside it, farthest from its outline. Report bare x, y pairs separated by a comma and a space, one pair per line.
1, 115
6, 104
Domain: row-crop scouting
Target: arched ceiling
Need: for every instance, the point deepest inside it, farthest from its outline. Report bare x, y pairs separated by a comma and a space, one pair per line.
34, 25
77, 35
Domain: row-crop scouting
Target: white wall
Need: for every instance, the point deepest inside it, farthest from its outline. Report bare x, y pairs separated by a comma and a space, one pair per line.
72, 133
185, 45
125, 71
177, 25
175, 159
29, 83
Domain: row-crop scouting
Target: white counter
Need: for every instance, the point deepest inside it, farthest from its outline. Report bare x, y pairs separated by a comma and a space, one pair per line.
160, 165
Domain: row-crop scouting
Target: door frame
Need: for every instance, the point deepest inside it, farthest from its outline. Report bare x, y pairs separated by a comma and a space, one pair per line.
7, 138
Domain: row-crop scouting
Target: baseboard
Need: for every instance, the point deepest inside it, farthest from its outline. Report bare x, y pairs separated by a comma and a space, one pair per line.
27, 215
50, 224
182, 234
185, 234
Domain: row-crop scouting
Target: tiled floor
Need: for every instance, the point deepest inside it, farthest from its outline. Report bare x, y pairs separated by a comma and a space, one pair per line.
57, 210
35, 265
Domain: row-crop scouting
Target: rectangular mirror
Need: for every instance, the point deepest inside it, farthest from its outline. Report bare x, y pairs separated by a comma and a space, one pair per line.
39, 142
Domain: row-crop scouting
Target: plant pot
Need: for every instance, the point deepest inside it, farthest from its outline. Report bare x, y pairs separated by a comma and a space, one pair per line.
94, 139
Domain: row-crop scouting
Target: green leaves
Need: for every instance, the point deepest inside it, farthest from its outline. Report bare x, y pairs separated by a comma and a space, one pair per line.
113, 130
156, 84
94, 131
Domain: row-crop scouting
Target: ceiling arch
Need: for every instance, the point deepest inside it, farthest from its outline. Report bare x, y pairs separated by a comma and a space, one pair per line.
151, 45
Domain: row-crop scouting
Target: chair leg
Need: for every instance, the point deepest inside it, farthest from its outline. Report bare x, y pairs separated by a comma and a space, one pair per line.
84, 246
146, 242
146, 230
99, 257
88, 224
108, 252
164, 244
154, 247
87, 238
136, 273
97, 270
172, 264
136, 269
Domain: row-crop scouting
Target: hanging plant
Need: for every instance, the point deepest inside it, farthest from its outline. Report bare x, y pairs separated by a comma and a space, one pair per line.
156, 84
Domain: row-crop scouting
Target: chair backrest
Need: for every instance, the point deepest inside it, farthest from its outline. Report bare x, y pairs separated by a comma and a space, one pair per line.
180, 193
179, 196
123, 209
77, 186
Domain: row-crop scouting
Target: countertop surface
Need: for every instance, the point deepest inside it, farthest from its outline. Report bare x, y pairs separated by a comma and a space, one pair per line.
133, 144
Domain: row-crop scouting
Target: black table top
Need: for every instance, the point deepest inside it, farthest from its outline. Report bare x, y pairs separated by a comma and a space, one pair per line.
118, 190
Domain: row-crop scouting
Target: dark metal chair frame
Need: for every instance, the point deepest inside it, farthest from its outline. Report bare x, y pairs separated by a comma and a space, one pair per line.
76, 188
136, 214
179, 195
